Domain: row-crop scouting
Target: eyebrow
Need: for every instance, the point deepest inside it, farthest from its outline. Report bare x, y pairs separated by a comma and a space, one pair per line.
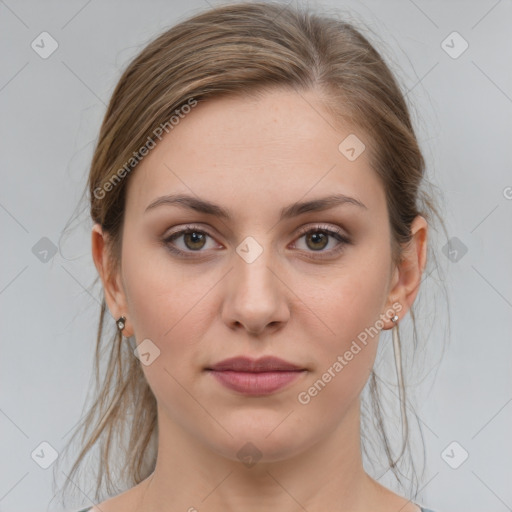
288, 212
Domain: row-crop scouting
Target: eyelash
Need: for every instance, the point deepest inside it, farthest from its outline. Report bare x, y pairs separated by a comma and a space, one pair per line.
335, 233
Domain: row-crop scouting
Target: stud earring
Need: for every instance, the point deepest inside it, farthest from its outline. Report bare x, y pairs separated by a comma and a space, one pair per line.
121, 322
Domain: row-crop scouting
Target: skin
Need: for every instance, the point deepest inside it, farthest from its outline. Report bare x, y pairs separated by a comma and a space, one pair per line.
255, 156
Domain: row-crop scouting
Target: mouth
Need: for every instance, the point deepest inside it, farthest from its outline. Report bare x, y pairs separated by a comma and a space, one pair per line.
255, 377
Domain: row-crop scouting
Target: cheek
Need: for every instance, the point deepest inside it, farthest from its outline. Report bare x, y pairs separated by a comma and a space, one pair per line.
166, 305
344, 357
169, 304
347, 301
347, 310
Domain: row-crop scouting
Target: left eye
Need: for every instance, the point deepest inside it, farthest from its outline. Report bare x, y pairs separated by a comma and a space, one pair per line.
316, 239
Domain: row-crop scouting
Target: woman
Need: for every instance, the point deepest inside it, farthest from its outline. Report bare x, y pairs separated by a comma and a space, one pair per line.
254, 192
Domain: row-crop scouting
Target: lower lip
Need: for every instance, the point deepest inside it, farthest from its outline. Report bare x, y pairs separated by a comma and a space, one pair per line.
252, 383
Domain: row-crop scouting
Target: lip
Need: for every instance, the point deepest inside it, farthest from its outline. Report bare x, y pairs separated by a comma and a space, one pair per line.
263, 364
255, 377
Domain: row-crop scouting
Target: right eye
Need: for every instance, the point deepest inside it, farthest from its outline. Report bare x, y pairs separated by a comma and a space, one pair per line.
194, 240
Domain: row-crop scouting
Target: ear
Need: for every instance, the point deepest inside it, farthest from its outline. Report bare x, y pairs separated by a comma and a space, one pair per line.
407, 275
115, 296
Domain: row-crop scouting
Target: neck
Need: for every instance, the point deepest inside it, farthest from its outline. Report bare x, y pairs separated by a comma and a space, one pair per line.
191, 476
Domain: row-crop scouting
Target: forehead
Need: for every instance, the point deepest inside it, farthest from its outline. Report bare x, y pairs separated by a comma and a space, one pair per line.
247, 151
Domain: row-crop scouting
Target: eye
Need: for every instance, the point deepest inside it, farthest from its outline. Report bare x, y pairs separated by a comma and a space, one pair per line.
316, 239
194, 239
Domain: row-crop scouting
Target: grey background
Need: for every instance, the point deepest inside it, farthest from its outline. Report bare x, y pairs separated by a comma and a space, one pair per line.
51, 110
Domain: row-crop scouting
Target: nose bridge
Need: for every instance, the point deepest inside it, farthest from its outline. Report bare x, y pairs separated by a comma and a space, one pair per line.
256, 296
253, 278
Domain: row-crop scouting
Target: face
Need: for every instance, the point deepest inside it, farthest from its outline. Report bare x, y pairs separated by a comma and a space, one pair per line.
312, 287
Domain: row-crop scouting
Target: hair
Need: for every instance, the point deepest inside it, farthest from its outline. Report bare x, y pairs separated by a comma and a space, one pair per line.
237, 49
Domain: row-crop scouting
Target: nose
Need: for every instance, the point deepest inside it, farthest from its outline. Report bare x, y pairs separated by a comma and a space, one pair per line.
256, 297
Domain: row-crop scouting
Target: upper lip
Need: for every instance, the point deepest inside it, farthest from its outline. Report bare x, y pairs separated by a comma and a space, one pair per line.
246, 364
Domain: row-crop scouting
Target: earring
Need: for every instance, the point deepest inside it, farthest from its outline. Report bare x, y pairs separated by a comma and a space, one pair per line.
399, 372
121, 321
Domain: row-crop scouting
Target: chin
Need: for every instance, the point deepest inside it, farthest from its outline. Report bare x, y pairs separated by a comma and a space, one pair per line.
262, 439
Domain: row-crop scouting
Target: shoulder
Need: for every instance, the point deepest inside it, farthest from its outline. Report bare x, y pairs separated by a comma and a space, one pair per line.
124, 502
95, 508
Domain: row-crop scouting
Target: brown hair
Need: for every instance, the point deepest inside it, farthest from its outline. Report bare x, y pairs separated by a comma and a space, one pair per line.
241, 48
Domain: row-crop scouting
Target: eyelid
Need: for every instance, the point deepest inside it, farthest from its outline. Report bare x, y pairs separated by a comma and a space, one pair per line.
333, 231
322, 227
187, 227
